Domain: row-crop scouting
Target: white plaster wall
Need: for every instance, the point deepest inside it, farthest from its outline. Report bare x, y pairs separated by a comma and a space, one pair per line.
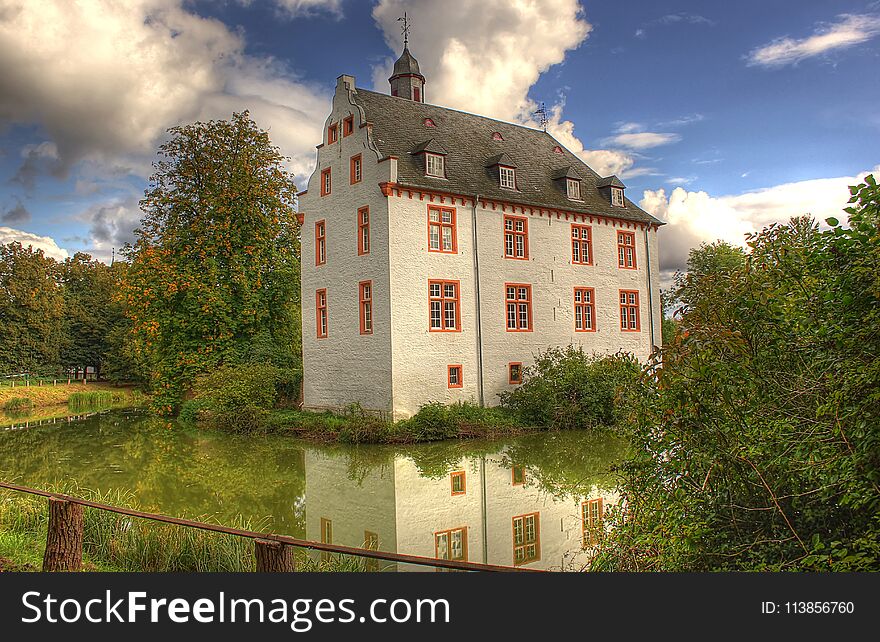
553, 277
420, 357
346, 367
353, 506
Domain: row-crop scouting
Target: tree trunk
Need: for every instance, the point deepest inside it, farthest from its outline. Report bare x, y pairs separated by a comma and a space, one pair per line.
273, 557
65, 537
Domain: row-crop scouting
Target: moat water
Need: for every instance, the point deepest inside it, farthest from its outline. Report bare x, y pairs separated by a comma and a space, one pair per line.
523, 501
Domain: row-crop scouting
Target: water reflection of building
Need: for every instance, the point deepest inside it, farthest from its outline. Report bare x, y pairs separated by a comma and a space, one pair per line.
483, 511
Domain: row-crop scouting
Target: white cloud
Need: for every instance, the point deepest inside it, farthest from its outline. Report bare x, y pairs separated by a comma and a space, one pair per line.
105, 80
849, 30
694, 217
307, 7
46, 243
642, 140
483, 55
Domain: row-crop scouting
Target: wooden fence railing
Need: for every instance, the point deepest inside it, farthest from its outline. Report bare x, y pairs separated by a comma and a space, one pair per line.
272, 553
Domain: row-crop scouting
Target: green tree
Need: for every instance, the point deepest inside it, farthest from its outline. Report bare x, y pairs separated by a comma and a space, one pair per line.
91, 312
216, 257
756, 442
31, 309
707, 264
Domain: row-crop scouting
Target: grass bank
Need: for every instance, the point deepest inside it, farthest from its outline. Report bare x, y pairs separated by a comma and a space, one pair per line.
48, 395
118, 543
434, 422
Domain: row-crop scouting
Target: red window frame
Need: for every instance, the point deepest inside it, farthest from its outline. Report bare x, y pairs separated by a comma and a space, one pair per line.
439, 226
517, 301
523, 542
363, 217
513, 236
348, 126
515, 381
629, 311
322, 319
356, 169
448, 533
443, 299
320, 242
585, 308
458, 474
417, 94
626, 250
326, 182
581, 241
592, 517
459, 376
365, 292
332, 133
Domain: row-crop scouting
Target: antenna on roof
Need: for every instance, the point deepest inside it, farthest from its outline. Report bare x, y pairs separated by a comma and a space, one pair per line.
405, 29
541, 113
112, 256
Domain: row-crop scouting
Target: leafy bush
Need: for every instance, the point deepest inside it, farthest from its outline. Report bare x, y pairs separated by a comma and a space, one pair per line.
757, 447
567, 388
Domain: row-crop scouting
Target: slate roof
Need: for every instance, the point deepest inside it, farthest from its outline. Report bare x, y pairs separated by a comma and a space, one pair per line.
398, 129
611, 181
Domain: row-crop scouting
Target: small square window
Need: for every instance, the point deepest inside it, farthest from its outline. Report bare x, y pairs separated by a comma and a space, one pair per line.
434, 165
508, 177
455, 376
514, 373
347, 126
458, 483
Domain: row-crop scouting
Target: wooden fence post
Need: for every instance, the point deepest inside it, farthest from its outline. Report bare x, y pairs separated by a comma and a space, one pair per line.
273, 557
64, 539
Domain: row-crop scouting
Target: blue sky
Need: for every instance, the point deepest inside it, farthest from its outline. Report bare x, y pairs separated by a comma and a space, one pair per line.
719, 117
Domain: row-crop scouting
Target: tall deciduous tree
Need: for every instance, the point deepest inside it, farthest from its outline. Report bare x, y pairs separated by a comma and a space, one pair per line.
31, 310
216, 258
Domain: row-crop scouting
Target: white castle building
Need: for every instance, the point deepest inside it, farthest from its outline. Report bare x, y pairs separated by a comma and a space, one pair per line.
441, 251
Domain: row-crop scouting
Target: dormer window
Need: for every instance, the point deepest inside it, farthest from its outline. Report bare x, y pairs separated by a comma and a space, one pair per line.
507, 176
429, 123
616, 197
434, 165
557, 150
573, 188
497, 136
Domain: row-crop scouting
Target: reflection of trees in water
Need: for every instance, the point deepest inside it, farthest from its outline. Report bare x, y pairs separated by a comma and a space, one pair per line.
169, 469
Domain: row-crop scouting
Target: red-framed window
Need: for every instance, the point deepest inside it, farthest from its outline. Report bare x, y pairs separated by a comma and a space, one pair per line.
629, 311
417, 94
458, 482
451, 544
626, 250
518, 475
526, 538
363, 215
365, 289
326, 183
321, 313
320, 242
592, 515
581, 245
347, 126
584, 310
514, 372
453, 376
442, 230
356, 169
444, 311
518, 303
332, 133
516, 237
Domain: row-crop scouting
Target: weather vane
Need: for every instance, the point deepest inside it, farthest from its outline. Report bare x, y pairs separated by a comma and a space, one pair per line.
541, 113
405, 29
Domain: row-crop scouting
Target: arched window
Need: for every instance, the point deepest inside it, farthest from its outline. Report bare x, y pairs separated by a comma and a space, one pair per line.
429, 123
497, 136
557, 149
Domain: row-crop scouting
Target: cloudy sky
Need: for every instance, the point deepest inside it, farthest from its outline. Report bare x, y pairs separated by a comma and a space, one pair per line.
719, 117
